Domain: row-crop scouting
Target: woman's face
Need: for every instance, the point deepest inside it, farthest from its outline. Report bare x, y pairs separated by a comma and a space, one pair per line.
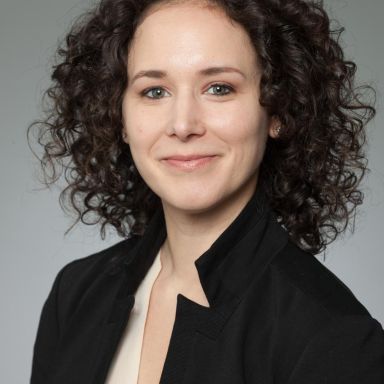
192, 118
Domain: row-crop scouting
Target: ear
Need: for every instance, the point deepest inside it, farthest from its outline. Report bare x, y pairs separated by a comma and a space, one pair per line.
274, 127
124, 136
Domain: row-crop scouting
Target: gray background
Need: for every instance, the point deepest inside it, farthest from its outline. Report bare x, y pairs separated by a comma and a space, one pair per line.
33, 246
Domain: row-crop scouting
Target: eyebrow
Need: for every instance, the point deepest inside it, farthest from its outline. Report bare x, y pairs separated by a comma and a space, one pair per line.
157, 74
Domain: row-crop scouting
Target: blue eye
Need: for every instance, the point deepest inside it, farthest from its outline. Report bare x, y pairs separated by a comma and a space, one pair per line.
219, 88
158, 92
155, 95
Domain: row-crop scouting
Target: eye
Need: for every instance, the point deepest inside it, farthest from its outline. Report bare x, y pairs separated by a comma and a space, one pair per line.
221, 89
156, 93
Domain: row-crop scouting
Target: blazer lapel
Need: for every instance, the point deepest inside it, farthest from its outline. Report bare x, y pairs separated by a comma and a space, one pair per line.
134, 267
110, 335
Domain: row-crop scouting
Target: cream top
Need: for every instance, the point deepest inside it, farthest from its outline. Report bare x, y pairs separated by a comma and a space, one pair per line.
125, 365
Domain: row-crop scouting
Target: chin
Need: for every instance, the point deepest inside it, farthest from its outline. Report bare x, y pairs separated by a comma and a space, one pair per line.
191, 201
194, 203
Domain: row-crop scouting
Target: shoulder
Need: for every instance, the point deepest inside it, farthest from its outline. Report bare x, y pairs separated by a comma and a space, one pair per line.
80, 300
94, 278
319, 320
302, 274
107, 261
106, 258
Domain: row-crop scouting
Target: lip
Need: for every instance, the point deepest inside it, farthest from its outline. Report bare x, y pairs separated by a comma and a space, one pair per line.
188, 162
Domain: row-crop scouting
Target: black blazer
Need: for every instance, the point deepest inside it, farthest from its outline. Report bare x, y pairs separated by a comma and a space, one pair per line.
276, 314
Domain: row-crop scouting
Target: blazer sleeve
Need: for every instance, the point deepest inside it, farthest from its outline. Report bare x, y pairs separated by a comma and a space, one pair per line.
48, 334
350, 351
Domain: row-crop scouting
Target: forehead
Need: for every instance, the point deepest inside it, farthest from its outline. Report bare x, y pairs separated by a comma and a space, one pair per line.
189, 34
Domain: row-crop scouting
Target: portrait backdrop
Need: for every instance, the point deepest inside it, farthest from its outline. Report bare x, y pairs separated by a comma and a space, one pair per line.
32, 241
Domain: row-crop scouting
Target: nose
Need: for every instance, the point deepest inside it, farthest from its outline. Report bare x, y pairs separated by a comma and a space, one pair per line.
186, 117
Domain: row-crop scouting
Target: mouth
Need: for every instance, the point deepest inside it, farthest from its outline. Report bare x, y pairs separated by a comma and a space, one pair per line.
188, 162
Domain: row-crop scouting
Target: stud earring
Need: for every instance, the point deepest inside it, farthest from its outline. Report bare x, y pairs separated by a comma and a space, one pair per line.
278, 130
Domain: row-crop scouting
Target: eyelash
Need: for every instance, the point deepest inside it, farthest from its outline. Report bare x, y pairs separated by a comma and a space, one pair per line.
144, 93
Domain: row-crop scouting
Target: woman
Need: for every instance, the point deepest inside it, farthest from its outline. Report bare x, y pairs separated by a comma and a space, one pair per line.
224, 139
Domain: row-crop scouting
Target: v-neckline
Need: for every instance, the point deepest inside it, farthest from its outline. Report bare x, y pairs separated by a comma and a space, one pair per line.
126, 363
152, 274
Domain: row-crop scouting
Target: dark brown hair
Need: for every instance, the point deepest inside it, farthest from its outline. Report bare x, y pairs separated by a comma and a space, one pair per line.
311, 172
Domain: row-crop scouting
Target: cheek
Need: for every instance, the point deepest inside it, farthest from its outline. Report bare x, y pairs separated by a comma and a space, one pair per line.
246, 136
244, 129
139, 128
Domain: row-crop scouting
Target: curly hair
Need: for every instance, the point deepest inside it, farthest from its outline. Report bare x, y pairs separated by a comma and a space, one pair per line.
311, 173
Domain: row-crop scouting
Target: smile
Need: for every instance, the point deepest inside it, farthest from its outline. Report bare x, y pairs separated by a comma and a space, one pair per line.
188, 163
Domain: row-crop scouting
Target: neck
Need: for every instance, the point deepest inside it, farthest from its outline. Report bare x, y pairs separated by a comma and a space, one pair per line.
189, 235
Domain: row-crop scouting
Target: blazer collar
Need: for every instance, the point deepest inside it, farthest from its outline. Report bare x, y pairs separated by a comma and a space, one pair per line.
238, 256
235, 260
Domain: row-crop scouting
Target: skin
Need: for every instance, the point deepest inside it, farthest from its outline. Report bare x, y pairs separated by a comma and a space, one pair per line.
184, 113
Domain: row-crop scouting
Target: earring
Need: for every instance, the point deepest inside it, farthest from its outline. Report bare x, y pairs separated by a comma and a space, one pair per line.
278, 130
